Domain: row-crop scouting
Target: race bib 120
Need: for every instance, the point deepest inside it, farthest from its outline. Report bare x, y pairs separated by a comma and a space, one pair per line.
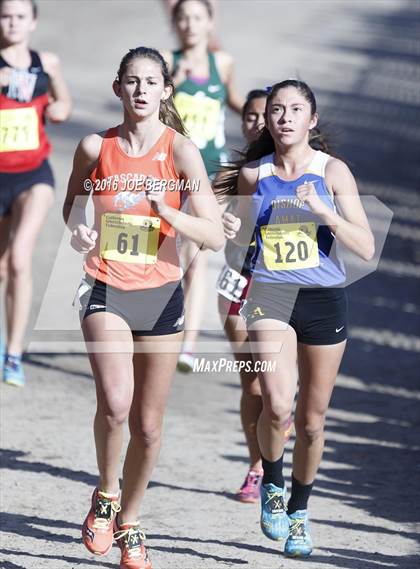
290, 246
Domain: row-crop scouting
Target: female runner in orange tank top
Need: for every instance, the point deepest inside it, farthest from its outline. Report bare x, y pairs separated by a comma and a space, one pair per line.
132, 296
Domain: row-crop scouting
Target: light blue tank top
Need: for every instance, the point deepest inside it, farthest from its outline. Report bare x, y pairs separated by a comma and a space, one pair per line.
293, 245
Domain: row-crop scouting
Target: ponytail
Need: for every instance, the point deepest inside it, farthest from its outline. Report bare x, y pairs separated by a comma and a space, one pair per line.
320, 140
170, 116
226, 184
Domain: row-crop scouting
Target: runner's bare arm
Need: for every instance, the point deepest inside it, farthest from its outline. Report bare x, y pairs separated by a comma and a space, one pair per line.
180, 74
204, 227
247, 181
5, 73
59, 108
351, 227
224, 62
85, 159
168, 57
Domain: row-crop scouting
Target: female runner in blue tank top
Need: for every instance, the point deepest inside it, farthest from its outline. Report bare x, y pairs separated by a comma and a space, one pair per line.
203, 81
304, 202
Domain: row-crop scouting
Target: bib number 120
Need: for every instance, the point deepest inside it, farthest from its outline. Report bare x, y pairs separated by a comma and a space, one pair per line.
290, 246
296, 251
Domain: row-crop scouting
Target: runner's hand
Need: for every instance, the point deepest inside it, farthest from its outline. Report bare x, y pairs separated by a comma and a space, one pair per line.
5, 76
182, 71
231, 225
307, 194
56, 111
83, 239
155, 194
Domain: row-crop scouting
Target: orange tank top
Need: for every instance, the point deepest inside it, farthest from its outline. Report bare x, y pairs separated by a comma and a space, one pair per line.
136, 249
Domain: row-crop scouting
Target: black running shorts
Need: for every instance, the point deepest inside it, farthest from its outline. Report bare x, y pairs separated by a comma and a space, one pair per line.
13, 184
149, 312
318, 315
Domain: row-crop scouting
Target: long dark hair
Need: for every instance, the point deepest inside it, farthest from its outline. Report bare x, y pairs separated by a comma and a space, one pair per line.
167, 112
264, 144
254, 94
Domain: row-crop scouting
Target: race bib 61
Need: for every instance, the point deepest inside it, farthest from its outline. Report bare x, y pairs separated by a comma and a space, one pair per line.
231, 284
129, 238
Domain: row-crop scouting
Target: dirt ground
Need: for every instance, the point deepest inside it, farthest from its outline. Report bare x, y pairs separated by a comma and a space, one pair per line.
362, 60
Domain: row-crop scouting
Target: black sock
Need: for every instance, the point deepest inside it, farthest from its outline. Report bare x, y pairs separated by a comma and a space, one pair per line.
273, 472
299, 497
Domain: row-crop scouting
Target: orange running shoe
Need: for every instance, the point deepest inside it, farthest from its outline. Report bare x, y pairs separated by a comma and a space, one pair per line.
97, 530
130, 539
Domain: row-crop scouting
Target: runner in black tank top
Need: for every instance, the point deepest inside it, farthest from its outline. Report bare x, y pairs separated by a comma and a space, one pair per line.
31, 90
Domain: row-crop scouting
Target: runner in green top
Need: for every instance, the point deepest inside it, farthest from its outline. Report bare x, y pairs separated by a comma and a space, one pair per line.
203, 80
200, 103
203, 86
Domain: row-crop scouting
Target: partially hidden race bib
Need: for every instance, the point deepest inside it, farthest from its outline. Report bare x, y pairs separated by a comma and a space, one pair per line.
200, 115
19, 129
129, 238
231, 284
290, 246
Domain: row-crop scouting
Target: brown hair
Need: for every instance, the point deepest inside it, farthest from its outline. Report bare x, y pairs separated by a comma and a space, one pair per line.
252, 95
178, 5
167, 112
33, 4
264, 144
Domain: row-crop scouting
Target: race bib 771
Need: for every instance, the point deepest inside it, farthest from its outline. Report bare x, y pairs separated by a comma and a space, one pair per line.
200, 115
19, 129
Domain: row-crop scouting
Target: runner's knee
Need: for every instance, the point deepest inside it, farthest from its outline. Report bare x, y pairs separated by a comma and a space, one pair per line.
147, 430
19, 263
310, 427
115, 409
251, 385
277, 409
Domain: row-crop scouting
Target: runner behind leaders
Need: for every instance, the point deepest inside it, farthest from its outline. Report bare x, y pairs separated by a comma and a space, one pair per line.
232, 287
32, 90
203, 87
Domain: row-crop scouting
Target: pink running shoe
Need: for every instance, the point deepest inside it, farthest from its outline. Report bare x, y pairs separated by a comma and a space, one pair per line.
250, 489
288, 429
